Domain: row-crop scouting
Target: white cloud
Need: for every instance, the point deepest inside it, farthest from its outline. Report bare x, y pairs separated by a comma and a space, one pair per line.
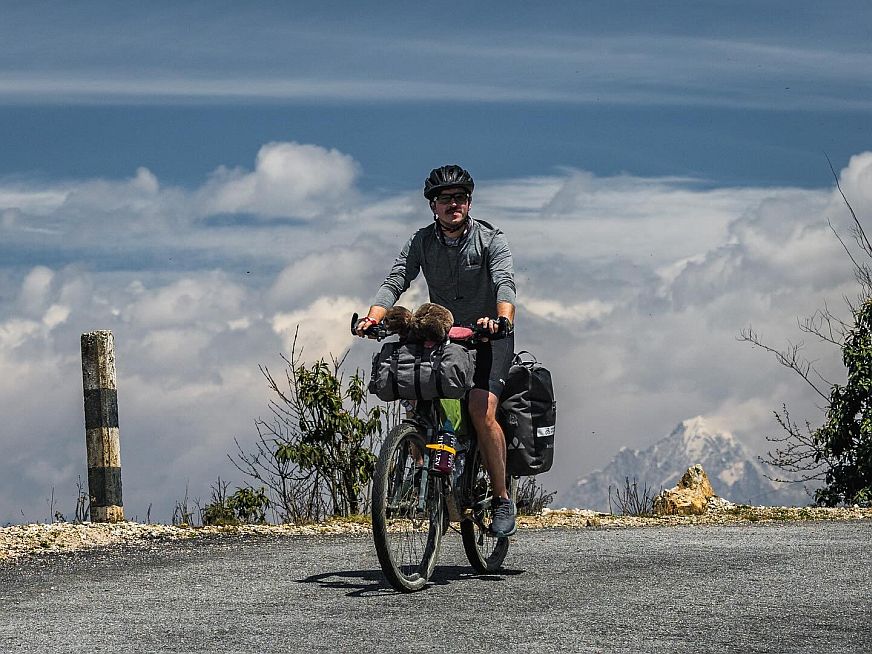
16, 332
317, 273
56, 314
324, 326
38, 202
856, 183
783, 241
145, 181
35, 289
290, 180
633, 218
139, 194
579, 313
211, 298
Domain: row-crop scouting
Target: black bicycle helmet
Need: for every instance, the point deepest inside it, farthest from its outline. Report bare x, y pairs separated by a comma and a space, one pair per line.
450, 176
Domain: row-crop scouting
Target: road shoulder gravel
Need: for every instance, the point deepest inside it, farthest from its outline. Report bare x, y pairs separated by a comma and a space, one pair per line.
21, 541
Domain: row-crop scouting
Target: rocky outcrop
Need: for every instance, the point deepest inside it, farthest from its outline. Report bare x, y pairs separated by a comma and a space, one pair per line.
690, 497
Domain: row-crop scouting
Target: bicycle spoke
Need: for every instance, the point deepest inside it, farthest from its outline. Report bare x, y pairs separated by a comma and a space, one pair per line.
485, 551
406, 529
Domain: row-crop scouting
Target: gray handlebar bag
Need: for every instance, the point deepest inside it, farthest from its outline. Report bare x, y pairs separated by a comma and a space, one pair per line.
412, 371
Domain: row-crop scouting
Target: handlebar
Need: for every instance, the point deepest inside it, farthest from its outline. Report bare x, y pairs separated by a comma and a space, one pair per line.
378, 331
475, 334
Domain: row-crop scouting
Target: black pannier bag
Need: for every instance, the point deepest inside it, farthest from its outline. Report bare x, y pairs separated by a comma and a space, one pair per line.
527, 414
411, 371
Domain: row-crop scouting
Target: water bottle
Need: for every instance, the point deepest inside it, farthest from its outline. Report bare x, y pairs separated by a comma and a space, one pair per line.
444, 448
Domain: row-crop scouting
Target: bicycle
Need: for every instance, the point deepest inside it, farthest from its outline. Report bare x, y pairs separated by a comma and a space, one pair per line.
412, 507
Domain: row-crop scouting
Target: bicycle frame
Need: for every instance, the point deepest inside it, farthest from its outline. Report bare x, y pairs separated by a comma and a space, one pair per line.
427, 416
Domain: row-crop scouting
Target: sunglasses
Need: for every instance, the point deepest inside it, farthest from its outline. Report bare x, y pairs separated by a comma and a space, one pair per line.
459, 198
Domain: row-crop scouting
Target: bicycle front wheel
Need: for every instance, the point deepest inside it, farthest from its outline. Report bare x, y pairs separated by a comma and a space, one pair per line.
486, 552
406, 518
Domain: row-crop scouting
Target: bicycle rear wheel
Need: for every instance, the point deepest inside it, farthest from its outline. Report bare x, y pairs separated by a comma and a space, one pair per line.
486, 552
407, 529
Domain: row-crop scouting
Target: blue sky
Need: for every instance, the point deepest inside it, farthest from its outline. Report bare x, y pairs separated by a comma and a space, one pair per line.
201, 178
744, 93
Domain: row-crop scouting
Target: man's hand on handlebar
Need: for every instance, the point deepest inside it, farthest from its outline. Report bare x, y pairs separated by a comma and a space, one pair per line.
363, 325
498, 326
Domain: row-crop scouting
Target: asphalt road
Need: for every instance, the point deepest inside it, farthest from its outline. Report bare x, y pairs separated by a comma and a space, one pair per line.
790, 587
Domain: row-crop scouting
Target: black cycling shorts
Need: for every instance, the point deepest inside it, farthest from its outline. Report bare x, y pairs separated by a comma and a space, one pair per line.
492, 362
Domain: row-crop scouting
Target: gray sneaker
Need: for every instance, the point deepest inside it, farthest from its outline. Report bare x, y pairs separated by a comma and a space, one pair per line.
503, 523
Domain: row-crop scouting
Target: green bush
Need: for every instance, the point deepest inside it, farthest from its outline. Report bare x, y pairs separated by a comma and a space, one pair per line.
845, 439
244, 506
315, 456
249, 505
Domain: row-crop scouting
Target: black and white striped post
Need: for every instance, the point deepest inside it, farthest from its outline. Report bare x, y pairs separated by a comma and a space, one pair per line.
101, 426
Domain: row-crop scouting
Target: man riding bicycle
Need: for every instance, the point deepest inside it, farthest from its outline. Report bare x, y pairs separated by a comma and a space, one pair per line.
468, 267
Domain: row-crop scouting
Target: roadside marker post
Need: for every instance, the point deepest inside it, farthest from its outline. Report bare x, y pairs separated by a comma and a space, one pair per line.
101, 426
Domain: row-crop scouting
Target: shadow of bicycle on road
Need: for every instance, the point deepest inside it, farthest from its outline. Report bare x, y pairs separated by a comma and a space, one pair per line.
367, 583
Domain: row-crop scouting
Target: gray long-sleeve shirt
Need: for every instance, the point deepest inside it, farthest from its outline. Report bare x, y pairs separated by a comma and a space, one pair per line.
468, 278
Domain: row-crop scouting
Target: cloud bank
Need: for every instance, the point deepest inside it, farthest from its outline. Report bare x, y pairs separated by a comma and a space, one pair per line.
631, 289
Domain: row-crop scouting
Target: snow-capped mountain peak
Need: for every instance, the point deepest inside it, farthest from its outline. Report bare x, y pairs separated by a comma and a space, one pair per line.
734, 472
